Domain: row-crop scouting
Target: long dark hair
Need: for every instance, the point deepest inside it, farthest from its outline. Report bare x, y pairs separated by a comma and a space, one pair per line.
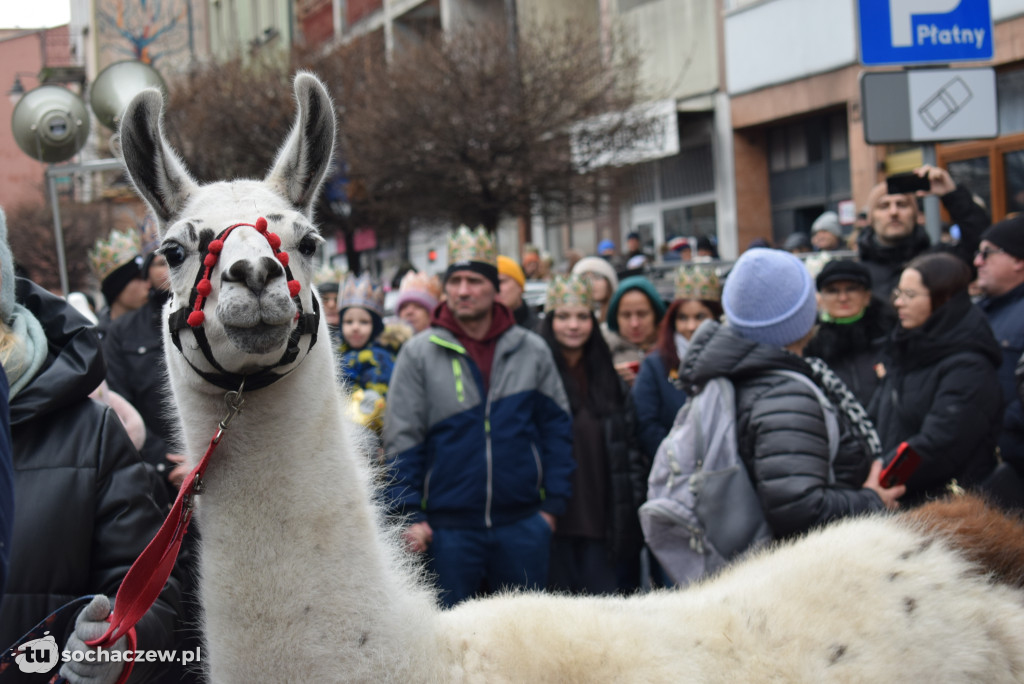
666, 344
943, 274
604, 389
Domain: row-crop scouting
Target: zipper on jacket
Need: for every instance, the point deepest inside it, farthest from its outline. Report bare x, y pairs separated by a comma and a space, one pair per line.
540, 470
490, 462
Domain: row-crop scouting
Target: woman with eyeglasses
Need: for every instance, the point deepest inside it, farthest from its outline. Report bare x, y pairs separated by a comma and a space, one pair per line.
852, 326
939, 391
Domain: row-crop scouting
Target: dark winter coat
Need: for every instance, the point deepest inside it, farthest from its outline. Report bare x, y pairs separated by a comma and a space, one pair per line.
657, 400
6, 484
134, 353
941, 394
886, 262
629, 468
781, 432
852, 350
84, 508
527, 317
1006, 316
626, 470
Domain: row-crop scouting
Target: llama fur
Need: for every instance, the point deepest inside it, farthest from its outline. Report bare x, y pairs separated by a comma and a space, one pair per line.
301, 580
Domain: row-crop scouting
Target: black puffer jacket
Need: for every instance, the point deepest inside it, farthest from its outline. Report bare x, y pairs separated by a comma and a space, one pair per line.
134, 354
886, 262
84, 508
941, 394
781, 432
629, 468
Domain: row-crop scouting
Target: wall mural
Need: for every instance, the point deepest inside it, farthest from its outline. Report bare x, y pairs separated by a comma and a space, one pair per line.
151, 31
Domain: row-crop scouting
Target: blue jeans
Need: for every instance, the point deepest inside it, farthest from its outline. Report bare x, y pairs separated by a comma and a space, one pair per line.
509, 556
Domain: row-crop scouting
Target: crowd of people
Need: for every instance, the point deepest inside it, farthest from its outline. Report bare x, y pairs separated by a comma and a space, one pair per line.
517, 440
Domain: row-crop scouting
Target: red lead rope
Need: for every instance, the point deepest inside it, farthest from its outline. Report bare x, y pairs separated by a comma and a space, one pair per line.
149, 572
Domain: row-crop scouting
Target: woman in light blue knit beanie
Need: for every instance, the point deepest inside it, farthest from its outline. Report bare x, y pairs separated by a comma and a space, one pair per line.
770, 297
809, 446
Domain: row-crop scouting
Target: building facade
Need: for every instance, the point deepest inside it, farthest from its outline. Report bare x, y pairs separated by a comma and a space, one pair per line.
793, 77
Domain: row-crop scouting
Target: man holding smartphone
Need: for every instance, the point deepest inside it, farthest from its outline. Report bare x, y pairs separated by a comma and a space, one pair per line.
897, 235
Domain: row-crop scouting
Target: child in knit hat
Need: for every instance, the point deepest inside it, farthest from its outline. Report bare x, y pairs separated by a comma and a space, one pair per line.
365, 364
418, 296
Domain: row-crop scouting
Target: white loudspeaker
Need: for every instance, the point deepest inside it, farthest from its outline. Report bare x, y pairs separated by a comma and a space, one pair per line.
115, 87
50, 123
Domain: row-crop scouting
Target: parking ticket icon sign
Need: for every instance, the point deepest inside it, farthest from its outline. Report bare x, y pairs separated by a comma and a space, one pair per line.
929, 105
924, 31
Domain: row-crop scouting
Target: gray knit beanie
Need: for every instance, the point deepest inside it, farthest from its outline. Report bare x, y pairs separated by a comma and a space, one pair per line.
6, 273
769, 297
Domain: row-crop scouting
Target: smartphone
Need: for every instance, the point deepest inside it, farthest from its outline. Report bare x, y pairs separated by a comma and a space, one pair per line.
904, 183
901, 467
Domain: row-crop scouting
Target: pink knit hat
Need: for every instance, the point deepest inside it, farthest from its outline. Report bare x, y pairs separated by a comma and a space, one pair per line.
418, 288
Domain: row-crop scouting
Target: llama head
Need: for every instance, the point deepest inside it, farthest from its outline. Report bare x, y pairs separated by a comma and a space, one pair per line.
241, 252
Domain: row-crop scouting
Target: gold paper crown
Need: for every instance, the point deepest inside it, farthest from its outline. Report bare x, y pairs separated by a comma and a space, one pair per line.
471, 245
362, 291
571, 290
328, 274
693, 282
420, 282
114, 251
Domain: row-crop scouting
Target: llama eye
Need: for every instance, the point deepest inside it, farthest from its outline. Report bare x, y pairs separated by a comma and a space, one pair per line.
307, 246
174, 253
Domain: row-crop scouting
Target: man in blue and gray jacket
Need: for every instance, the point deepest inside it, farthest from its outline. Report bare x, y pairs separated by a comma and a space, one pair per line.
478, 435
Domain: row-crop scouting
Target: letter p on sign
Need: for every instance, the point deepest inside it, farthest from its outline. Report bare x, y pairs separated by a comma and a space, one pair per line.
901, 12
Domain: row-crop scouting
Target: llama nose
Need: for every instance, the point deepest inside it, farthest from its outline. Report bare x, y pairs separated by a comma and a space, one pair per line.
255, 274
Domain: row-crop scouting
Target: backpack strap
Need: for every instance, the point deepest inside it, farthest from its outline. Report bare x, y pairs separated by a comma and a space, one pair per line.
827, 410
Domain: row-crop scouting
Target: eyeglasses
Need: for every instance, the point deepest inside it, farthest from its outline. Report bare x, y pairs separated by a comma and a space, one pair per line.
831, 291
986, 253
905, 294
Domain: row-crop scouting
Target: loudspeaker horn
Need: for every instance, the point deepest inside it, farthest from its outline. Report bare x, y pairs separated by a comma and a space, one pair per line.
115, 87
50, 123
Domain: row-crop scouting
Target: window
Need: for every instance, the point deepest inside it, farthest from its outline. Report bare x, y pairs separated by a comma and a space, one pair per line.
626, 5
691, 221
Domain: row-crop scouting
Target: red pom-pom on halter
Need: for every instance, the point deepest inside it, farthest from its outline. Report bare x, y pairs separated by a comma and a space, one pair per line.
210, 260
216, 247
195, 319
283, 258
204, 287
274, 239
294, 287
261, 224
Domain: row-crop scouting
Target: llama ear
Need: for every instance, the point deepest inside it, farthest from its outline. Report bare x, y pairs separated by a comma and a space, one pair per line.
155, 169
303, 161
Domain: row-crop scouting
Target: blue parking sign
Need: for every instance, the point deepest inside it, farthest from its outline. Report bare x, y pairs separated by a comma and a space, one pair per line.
924, 31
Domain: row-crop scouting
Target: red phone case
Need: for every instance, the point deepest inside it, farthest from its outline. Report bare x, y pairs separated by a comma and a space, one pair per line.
901, 467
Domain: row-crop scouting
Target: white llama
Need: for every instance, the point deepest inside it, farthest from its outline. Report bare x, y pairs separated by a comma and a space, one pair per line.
301, 581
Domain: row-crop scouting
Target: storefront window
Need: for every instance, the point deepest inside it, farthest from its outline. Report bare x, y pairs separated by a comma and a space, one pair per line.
975, 175
1013, 167
689, 221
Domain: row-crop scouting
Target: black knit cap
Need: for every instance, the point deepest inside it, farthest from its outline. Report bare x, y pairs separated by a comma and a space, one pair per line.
479, 267
842, 270
1008, 235
113, 285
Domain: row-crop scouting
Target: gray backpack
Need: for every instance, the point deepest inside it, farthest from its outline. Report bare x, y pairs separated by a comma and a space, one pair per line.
702, 510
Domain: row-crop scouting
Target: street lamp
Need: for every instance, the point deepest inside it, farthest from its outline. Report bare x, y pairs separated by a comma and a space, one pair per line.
17, 89
51, 124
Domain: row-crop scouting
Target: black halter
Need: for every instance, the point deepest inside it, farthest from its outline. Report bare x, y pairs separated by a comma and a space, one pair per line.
192, 316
